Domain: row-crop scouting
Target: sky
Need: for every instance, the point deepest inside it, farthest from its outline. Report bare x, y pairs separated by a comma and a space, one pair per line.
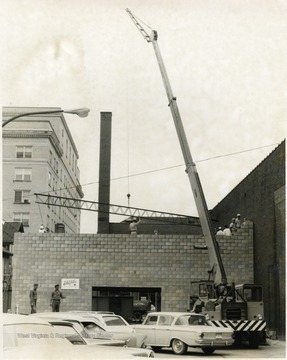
226, 62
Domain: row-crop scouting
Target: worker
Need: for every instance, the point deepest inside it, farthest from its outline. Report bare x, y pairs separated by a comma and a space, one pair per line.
226, 231
238, 221
56, 298
134, 226
232, 226
220, 232
33, 298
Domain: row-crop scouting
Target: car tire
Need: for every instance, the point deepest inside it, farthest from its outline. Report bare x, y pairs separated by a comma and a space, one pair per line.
178, 347
208, 350
156, 348
137, 316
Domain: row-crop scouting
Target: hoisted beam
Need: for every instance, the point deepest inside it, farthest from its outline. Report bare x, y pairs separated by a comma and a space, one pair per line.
53, 200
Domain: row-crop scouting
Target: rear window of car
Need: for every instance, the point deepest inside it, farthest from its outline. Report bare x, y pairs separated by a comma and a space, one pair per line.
114, 321
165, 320
151, 320
191, 320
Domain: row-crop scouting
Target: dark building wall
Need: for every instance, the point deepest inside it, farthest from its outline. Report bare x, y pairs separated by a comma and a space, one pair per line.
260, 197
161, 227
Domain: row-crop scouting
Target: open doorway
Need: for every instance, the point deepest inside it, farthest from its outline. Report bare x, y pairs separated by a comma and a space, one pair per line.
132, 303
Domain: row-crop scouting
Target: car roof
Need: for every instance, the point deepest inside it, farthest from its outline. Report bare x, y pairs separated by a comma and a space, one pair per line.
173, 313
55, 320
10, 319
65, 316
90, 312
58, 315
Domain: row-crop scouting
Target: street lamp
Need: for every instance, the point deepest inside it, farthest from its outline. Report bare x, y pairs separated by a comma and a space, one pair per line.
80, 112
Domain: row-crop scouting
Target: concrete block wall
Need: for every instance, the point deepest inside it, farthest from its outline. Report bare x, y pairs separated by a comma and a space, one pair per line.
168, 262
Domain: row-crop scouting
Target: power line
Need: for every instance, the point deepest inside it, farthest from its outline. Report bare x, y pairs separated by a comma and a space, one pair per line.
175, 166
158, 170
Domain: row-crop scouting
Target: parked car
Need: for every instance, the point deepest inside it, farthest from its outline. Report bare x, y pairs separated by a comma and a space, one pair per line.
27, 337
116, 325
180, 330
74, 331
102, 325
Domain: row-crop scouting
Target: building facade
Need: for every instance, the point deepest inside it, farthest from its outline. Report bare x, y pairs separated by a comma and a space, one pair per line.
39, 156
261, 198
157, 267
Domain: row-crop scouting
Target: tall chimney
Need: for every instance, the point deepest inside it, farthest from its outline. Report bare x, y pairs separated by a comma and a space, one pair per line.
105, 173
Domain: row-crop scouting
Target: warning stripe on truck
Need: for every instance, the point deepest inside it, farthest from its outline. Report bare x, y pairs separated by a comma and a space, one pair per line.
240, 325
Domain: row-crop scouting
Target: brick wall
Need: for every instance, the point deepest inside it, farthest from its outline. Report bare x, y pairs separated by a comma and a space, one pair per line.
261, 198
168, 262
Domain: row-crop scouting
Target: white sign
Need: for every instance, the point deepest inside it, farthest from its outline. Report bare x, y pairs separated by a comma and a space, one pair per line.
70, 284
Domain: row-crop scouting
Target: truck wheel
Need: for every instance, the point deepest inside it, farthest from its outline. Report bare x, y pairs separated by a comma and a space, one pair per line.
254, 341
178, 347
137, 316
208, 350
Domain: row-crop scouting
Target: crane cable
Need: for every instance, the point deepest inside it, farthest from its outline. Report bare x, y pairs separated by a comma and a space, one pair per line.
128, 139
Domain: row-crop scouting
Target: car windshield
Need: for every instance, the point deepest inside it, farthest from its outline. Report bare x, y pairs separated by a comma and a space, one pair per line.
114, 321
191, 320
29, 334
70, 334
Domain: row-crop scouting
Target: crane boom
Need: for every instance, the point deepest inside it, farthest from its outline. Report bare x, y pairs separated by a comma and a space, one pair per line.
217, 271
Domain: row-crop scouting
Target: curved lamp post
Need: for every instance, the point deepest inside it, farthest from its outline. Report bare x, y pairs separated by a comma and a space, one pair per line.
80, 112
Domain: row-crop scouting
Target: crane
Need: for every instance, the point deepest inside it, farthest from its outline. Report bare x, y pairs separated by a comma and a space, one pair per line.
238, 307
217, 271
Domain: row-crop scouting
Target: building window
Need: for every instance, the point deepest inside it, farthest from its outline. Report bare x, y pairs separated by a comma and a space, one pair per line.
49, 178
22, 196
21, 217
23, 174
24, 152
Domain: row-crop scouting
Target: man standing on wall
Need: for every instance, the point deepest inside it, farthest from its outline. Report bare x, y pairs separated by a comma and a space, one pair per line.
133, 227
56, 299
33, 298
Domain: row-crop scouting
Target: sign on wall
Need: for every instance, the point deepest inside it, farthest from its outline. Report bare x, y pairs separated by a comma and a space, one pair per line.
70, 284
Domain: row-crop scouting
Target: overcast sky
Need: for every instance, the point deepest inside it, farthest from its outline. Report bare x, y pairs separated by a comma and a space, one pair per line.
226, 61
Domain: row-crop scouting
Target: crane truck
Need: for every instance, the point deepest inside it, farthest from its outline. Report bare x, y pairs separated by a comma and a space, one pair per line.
239, 307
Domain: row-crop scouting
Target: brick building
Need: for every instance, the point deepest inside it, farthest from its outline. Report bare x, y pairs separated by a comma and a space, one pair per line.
39, 156
260, 197
159, 267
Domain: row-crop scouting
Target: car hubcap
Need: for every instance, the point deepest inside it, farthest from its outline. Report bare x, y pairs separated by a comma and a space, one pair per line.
178, 345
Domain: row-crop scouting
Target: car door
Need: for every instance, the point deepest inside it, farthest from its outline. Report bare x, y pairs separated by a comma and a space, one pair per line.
163, 333
148, 328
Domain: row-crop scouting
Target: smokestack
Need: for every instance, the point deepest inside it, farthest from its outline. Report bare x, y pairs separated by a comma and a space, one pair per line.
105, 173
